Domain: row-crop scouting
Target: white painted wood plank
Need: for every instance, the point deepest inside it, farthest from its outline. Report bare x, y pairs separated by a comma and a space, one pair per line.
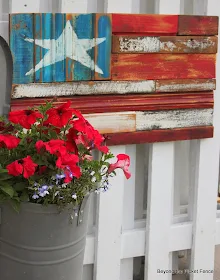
81, 88
149, 120
113, 122
185, 85
109, 225
128, 211
181, 44
162, 7
122, 6
24, 6
74, 6
160, 198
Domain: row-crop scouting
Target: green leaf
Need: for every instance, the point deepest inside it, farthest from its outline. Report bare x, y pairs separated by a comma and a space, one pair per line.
7, 189
4, 176
2, 197
19, 186
3, 170
24, 197
16, 205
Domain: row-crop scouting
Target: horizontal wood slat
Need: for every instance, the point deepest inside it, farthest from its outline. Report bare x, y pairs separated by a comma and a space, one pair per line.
198, 25
120, 103
111, 87
185, 85
82, 88
164, 44
132, 23
165, 66
170, 119
163, 135
113, 123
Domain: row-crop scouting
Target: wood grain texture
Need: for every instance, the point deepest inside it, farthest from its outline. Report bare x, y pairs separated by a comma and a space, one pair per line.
165, 66
113, 123
103, 29
163, 135
173, 119
82, 88
121, 103
186, 85
198, 25
22, 26
134, 23
164, 44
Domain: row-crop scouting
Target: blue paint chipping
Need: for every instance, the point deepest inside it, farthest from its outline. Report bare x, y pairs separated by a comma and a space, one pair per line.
104, 49
47, 33
60, 67
21, 27
38, 55
84, 29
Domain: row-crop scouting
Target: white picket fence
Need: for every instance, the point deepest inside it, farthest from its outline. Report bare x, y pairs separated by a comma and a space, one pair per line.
169, 204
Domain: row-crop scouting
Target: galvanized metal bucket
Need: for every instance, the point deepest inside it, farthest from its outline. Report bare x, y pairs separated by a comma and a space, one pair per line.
42, 243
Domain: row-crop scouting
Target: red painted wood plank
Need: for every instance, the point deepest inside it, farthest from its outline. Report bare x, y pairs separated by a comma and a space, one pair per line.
132, 23
165, 135
163, 66
122, 103
198, 25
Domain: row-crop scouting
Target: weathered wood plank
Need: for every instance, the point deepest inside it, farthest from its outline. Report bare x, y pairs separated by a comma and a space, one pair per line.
132, 23
163, 135
82, 88
164, 44
21, 27
44, 32
170, 119
103, 31
137, 102
198, 25
60, 67
165, 66
113, 123
83, 60
185, 85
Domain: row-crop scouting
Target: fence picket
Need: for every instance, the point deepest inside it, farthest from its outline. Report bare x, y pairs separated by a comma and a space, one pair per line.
72, 6
128, 211
108, 227
160, 192
23, 6
204, 218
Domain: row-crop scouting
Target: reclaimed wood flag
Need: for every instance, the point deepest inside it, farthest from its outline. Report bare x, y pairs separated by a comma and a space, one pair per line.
137, 78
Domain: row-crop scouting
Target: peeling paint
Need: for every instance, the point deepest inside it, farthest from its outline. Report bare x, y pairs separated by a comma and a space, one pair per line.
171, 86
82, 88
139, 44
170, 119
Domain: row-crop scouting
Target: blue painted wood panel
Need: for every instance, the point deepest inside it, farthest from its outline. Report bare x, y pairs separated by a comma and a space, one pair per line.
60, 47
103, 50
21, 28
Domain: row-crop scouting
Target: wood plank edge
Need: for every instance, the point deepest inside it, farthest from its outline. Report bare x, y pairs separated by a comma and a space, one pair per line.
165, 135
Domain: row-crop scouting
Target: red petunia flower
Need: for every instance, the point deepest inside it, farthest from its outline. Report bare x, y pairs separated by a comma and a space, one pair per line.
123, 162
42, 170
59, 116
71, 141
9, 141
4, 128
68, 163
24, 117
54, 147
24, 166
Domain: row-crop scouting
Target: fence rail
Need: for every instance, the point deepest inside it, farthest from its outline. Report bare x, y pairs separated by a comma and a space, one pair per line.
170, 203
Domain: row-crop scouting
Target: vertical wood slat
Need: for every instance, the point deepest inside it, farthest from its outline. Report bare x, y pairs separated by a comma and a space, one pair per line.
128, 211
22, 26
206, 187
68, 6
159, 211
108, 227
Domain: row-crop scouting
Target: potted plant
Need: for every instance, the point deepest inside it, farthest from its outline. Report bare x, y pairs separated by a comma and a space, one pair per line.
47, 172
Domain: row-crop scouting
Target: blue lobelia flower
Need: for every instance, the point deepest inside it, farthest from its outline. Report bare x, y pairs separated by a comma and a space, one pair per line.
35, 196
43, 191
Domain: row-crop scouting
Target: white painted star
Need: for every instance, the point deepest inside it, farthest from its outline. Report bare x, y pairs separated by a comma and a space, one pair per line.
75, 49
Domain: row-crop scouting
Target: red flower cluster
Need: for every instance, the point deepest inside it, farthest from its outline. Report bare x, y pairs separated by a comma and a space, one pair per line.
78, 131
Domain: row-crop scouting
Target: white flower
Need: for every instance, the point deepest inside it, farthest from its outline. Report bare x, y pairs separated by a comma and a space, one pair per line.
74, 196
92, 173
93, 179
64, 186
